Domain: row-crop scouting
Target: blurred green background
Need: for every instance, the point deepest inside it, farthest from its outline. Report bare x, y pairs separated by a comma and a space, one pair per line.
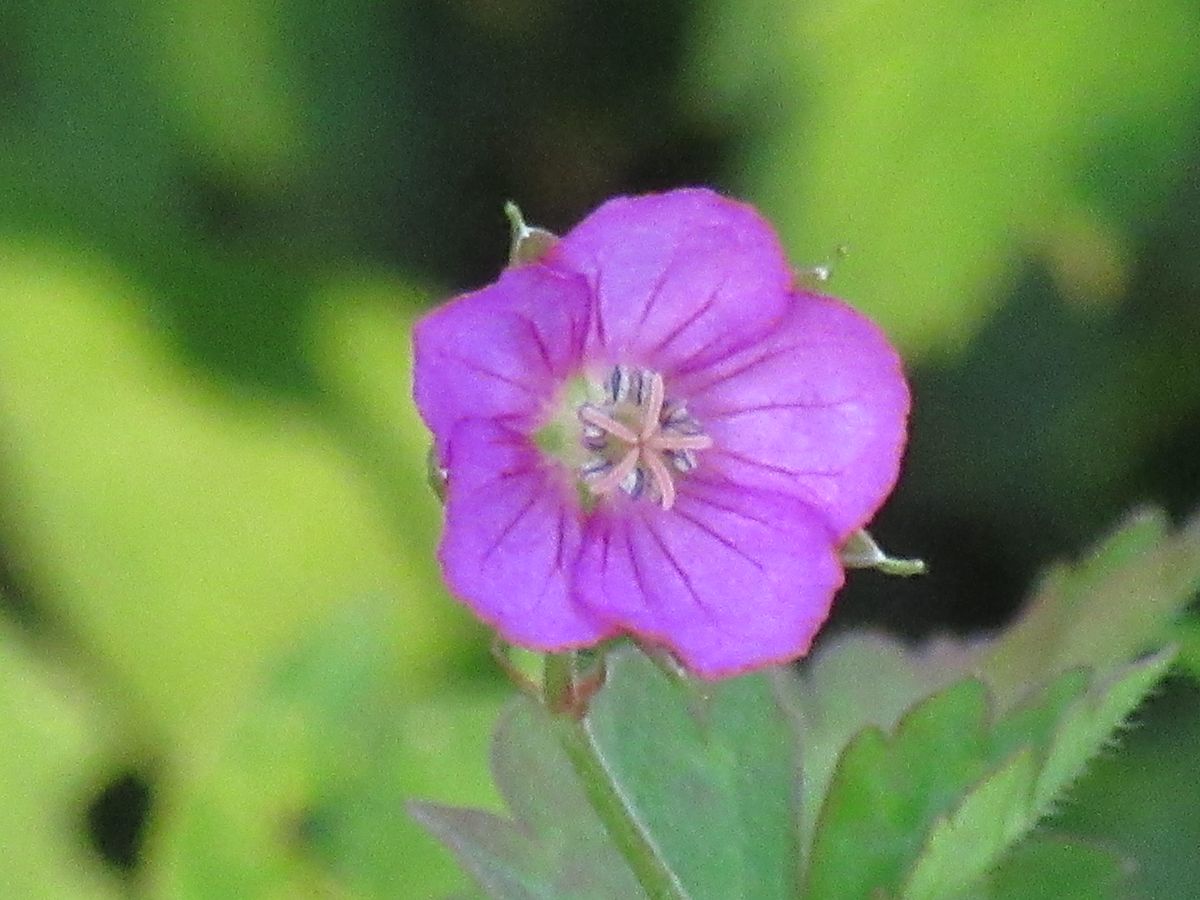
225, 655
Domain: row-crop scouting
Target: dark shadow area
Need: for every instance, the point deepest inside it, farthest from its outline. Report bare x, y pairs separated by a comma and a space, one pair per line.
116, 820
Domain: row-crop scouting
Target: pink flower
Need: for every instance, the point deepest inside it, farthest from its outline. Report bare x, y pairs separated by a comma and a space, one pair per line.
651, 431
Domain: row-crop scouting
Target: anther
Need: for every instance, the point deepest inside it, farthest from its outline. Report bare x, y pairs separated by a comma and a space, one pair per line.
639, 439
615, 477
653, 407
682, 460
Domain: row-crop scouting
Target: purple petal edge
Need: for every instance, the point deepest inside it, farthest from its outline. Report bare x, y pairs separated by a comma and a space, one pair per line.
512, 536
500, 352
818, 410
677, 278
803, 398
729, 580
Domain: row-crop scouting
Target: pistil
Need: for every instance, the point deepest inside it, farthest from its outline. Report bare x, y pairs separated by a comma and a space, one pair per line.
634, 434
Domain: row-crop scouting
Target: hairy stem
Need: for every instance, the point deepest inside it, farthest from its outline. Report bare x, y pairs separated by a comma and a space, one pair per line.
607, 800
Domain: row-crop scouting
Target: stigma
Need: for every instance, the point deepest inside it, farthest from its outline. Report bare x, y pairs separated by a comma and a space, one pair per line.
638, 441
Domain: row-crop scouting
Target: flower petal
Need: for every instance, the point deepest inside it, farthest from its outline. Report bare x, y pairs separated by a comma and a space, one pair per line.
729, 579
500, 352
817, 410
680, 276
511, 538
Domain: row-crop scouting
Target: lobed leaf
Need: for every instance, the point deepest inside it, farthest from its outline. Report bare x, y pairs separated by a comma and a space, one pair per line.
966, 843
854, 681
958, 783
1088, 725
884, 792
710, 778
1068, 730
921, 768
554, 846
1120, 601
1141, 801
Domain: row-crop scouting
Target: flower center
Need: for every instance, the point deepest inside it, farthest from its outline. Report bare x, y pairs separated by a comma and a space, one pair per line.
638, 441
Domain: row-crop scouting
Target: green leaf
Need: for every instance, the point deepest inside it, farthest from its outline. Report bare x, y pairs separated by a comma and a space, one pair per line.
886, 793
186, 532
964, 845
709, 777
928, 812
1187, 634
1141, 801
939, 802
941, 142
53, 756
1051, 868
555, 846
854, 681
713, 779
1062, 732
308, 789
1088, 725
1060, 688
1120, 601
507, 865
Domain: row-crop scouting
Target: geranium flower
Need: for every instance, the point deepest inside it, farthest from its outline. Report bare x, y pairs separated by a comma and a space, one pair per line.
649, 430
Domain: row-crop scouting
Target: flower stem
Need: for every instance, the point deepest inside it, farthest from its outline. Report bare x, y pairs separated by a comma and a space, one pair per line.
609, 803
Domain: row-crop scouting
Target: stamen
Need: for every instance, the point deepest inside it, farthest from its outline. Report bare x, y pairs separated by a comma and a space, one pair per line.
592, 416
669, 441
653, 408
623, 382
613, 385
594, 437
682, 460
615, 476
637, 386
675, 414
634, 483
594, 467
640, 441
676, 418
662, 478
